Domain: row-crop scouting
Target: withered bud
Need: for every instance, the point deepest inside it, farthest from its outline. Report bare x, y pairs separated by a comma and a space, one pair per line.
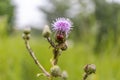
64, 75
46, 31
55, 71
63, 47
90, 68
26, 37
27, 30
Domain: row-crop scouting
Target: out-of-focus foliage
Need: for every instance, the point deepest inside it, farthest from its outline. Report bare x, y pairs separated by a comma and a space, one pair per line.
107, 17
6, 9
59, 10
3, 24
17, 64
103, 23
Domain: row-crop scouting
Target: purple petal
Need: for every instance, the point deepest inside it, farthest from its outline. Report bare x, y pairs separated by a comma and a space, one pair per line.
62, 24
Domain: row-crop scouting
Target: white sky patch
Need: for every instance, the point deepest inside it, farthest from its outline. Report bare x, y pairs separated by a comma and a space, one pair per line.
116, 1
27, 13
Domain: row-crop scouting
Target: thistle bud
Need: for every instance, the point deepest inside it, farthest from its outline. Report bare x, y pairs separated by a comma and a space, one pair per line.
26, 37
46, 31
60, 38
64, 75
27, 30
90, 68
55, 71
64, 47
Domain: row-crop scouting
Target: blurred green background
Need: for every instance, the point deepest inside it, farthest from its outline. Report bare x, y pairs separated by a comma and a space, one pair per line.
95, 39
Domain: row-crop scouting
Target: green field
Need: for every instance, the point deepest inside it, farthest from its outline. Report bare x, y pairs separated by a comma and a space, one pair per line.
16, 63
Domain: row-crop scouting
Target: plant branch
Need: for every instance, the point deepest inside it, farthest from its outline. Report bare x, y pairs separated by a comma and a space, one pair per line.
55, 58
51, 42
35, 59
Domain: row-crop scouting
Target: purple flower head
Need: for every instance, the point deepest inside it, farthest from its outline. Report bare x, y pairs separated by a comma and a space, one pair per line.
62, 25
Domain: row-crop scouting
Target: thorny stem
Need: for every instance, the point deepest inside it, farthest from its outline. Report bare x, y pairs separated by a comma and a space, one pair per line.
55, 51
51, 42
35, 59
55, 58
85, 76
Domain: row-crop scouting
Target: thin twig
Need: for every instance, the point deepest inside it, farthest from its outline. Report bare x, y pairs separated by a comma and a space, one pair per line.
51, 42
35, 59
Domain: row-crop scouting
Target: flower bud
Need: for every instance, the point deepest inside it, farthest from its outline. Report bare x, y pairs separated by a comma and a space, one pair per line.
64, 47
26, 37
55, 71
60, 38
46, 31
90, 68
64, 75
27, 30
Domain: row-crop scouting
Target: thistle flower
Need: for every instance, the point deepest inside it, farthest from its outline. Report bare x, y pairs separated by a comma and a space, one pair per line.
62, 25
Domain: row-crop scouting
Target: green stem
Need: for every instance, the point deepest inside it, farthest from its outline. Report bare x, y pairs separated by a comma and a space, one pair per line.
35, 59
51, 42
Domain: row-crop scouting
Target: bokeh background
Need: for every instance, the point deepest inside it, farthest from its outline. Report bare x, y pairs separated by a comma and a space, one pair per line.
95, 37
